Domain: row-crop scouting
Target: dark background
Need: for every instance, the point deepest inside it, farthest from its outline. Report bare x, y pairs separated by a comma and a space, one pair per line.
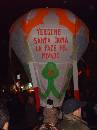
10, 10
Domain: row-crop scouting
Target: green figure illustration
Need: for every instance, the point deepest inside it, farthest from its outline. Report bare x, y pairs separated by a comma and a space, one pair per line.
51, 72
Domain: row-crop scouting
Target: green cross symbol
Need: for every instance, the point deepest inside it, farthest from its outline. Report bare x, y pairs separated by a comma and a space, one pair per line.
50, 72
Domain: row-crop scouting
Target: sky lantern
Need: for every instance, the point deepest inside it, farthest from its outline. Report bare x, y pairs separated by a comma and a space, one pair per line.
49, 42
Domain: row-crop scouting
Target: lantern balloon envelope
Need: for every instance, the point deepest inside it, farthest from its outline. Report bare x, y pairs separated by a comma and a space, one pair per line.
46, 41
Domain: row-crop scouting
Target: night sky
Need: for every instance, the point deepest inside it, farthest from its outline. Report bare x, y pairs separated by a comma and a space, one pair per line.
10, 10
